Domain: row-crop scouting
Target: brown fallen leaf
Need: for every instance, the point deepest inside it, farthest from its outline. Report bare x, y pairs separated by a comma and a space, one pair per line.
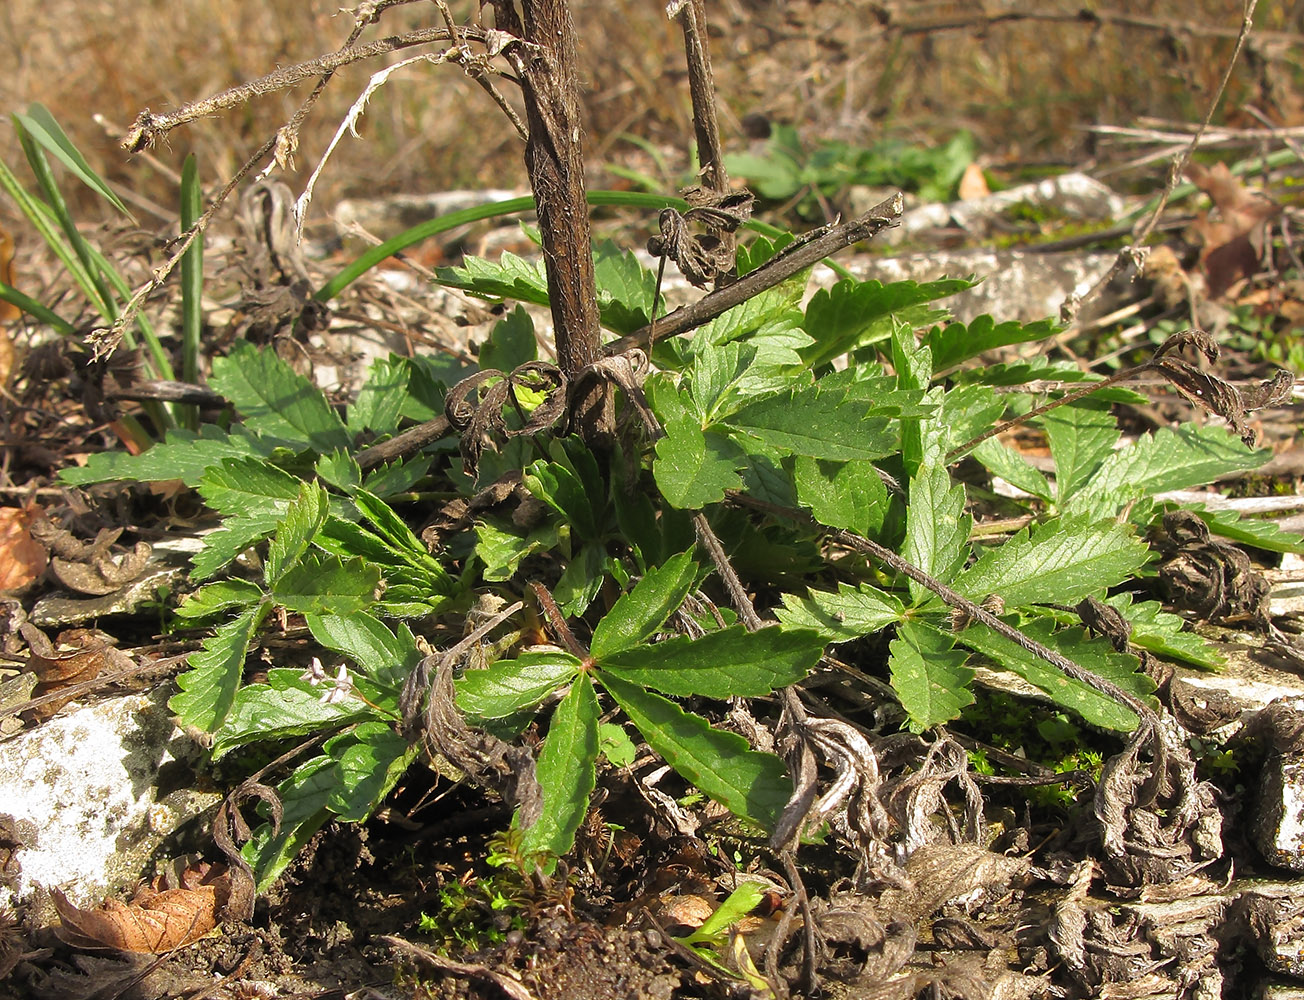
79, 654
22, 558
157, 919
1233, 241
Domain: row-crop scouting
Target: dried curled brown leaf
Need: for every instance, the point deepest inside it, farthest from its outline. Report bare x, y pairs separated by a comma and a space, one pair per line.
22, 558
702, 258
158, 918
77, 655
1211, 577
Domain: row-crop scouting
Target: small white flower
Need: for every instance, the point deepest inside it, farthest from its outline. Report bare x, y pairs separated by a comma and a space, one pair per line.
315, 674
340, 688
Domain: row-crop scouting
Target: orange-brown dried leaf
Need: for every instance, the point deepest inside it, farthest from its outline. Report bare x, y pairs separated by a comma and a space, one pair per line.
155, 921
1233, 242
22, 558
973, 184
79, 654
8, 311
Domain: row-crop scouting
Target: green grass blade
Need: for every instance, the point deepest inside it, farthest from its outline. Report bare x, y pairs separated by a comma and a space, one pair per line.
33, 308
192, 283
41, 216
36, 159
41, 126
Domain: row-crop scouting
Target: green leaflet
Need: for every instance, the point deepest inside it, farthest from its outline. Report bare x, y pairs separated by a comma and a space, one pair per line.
380, 400
1164, 634
817, 423
928, 675
303, 795
182, 454
1166, 460
219, 596
287, 706
937, 529
562, 489
849, 614
1002, 460
956, 342
751, 785
369, 761
509, 686
1058, 562
625, 288
386, 657
511, 343
848, 495
327, 584
1252, 531
638, 614
731, 662
1096, 655
566, 771
303, 519
208, 687
853, 313
689, 473
274, 400
1081, 435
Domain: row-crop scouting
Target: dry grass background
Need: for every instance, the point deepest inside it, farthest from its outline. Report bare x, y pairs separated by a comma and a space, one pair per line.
1025, 88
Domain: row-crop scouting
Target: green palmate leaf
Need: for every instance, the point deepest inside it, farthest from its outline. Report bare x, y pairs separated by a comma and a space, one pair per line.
510, 686
1167, 460
853, 313
731, 662
1259, 534
1164, 634
937, 529
751, 785
816, 423
395, 532
1059, 562
638, 614
511, 343
219, 596
327, 584
385, 656
566, 771
848, 495
1081, 435
184, 455
369, 761
208, 687
273, 399
849, 614
1096, 655
625, 288
42, 126
380, 400
929, 675
690, 472
287, 706
303, 796
1002, 460
304, 518
957, 342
